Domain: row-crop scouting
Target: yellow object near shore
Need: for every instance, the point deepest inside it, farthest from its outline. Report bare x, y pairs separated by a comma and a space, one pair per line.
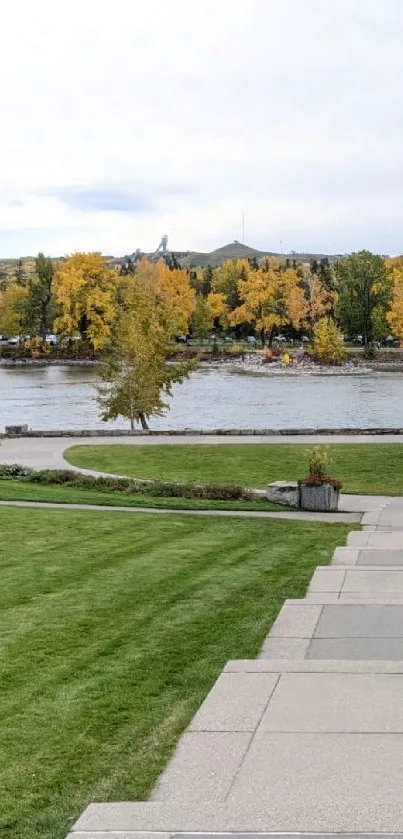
286, 358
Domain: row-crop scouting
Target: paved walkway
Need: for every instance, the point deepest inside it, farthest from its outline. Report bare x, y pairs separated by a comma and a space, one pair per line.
308, 738
47, 452
298, 515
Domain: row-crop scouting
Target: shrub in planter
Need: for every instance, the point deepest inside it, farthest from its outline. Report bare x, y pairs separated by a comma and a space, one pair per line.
319, 491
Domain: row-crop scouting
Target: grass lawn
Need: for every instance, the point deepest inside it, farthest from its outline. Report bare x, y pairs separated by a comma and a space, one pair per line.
19, 490
375, 469
112, 630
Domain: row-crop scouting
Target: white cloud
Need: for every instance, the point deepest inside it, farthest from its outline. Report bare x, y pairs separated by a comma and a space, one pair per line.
288, 109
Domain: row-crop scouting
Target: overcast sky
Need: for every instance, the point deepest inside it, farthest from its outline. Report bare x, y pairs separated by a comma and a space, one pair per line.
125, 120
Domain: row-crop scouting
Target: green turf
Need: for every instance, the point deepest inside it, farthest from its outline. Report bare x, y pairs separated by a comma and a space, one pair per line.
375, 469
20, 490
113, 629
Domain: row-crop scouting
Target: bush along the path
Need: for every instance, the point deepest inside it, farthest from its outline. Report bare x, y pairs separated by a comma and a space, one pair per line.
126, 486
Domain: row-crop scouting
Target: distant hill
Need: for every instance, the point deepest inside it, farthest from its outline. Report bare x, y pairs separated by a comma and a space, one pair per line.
236, 250
233, 251
189, 259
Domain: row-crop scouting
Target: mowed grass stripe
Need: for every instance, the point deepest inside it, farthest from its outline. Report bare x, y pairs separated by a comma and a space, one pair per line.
364, 468
112, 629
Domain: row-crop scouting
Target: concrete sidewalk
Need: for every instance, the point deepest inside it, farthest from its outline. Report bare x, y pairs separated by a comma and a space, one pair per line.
47, 452
297, 515
309, 737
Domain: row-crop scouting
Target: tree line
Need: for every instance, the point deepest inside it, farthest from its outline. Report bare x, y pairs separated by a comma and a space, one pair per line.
80, 296
362, 294
131, 314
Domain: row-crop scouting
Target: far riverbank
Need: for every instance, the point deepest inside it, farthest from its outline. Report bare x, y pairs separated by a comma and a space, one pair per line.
250, 364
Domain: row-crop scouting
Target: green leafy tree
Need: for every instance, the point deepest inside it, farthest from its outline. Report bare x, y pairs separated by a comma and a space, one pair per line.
208, 277
39, 303
20, 277
227, 278
364, 289
202, 318
3, 280
323, 270
201, 280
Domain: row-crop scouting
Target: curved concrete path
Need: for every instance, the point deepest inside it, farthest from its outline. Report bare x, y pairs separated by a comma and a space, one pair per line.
48, 453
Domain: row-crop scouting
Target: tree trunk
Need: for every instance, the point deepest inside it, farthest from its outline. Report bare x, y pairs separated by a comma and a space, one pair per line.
263, 337
144, 423
271, 337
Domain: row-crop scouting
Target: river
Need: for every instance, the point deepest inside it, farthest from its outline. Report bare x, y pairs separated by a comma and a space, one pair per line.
63, 397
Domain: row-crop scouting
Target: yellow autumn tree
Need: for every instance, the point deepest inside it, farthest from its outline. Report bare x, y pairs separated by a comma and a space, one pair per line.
328, 342
172, 290
136, 375
271, 297
320, 301
85, 289
218, 307
13, 302
395, 315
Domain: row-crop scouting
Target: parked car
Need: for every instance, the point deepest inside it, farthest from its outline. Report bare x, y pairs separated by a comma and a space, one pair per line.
250, 339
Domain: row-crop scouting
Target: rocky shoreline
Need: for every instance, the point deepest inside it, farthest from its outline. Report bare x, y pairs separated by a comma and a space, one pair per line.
250, 365
253, 366
49, 362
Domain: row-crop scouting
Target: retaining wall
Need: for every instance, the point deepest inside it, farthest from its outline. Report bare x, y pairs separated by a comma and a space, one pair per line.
220, 432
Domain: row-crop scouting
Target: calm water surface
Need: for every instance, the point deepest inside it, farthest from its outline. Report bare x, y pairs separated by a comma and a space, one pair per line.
63, 397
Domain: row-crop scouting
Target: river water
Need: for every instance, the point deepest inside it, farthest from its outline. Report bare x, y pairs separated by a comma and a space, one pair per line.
63, 397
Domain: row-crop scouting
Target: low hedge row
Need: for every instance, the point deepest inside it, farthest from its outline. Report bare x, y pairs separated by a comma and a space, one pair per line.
125, 486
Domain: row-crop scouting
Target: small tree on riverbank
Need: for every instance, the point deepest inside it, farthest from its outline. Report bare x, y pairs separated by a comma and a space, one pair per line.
136, 375
328, 342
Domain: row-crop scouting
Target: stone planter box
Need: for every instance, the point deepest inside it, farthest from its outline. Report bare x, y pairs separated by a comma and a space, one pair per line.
322, 498
284, 492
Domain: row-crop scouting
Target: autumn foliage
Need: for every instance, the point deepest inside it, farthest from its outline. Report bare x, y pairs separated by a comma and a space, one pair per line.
136, 377
86, 292
130, 316
328, 342
395, 315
